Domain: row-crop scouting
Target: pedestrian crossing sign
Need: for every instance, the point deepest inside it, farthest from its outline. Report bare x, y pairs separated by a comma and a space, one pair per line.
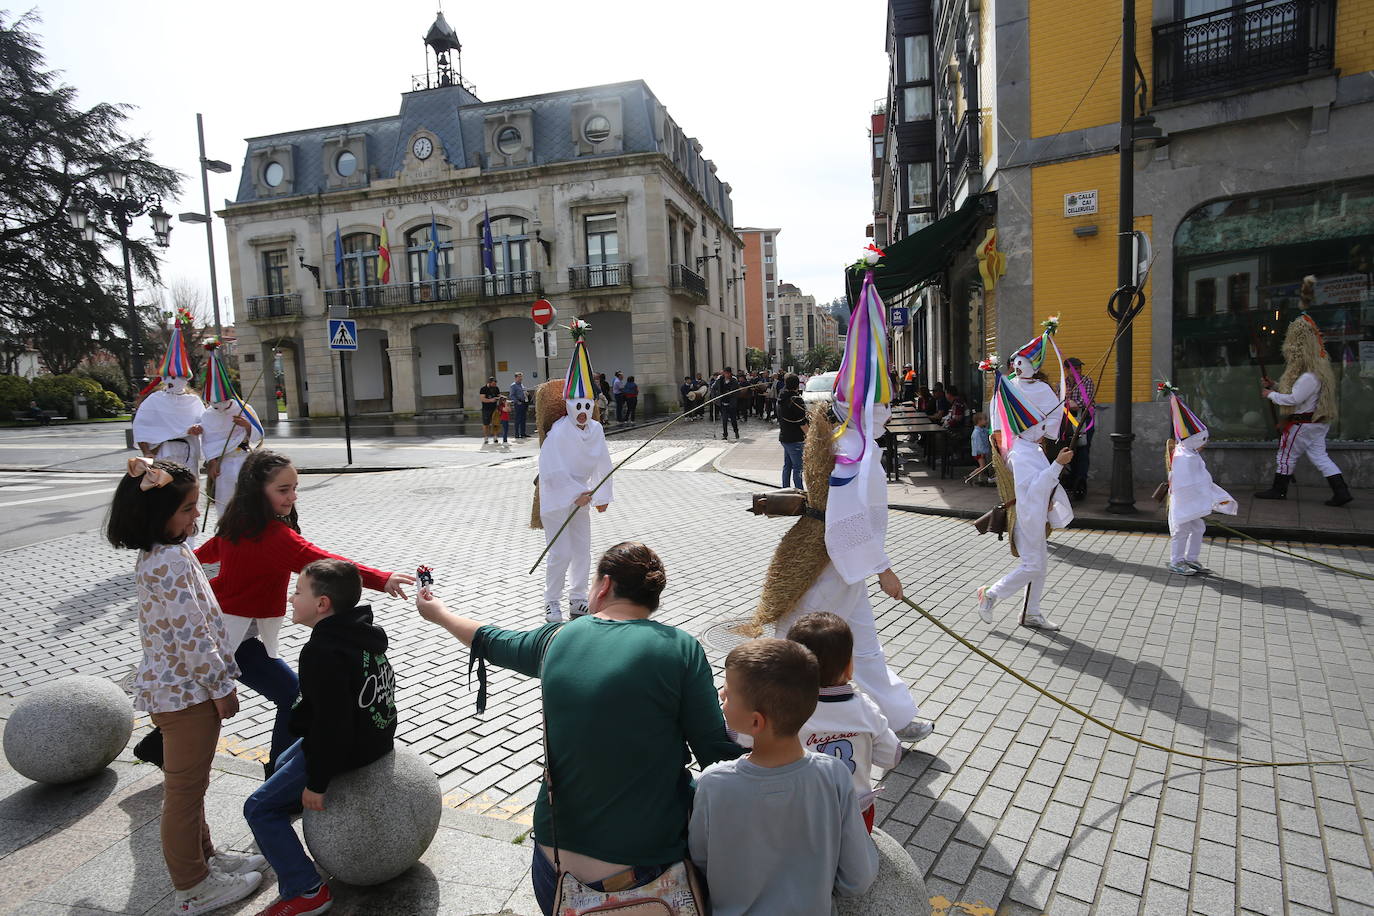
343, 334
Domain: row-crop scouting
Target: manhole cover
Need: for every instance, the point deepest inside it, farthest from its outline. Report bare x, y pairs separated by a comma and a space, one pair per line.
433, 491
725, 634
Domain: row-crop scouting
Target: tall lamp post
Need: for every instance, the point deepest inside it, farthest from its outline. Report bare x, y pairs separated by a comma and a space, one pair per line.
123, 206
1139, 138
206, 167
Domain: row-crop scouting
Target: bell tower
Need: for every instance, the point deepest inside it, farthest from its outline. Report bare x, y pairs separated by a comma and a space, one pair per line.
446, 66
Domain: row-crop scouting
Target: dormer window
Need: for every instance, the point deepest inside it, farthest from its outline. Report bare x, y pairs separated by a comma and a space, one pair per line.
274, 174
345, 164
508, 141
596, 128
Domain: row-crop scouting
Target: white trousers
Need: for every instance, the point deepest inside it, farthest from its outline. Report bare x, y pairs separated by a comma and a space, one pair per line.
1030, 543
871, 671
570, 559
1186, 541
1308, 439
229, 467
178, 450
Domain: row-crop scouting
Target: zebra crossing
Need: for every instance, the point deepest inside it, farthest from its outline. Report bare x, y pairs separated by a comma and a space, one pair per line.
20, 488
666, 457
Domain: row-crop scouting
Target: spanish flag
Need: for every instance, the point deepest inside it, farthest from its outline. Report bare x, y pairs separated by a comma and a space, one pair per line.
384, 254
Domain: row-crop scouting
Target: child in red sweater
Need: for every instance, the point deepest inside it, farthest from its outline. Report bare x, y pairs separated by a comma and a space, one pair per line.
258, 546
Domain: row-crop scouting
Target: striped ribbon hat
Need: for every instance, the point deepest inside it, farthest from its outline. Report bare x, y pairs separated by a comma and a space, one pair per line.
1012, 414
579, 382
862, 381
176, 364
217, 386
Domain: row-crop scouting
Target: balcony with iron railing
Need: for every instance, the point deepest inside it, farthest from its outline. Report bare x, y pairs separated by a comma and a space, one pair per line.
408, 295
966, 146
275, 307
599, 276
1245, 46
686, 280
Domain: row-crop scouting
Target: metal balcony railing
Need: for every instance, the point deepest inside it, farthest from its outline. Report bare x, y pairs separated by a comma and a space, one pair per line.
688, 280
599, 276
966, 147
282, 305
399, 295
1245, 45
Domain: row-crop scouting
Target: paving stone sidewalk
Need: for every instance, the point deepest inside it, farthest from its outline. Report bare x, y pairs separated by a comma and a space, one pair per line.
1015, 805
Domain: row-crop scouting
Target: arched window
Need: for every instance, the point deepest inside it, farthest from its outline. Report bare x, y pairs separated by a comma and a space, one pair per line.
510, 255
360, 268
417, 253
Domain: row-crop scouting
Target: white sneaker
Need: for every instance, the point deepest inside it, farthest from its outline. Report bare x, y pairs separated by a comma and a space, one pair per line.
577, 609
1182, 569
552, 613
1040, 622
215, 891
1196, 566
985, 603
229, 863
916, 730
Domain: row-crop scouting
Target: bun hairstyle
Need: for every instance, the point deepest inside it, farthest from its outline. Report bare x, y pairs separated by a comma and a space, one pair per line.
636, 573
248, 513
138, 518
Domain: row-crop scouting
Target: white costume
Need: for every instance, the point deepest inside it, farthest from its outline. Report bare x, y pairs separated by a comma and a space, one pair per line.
224, 439
1039, 497
571, 461
1192, 497
164, 419
1300, 438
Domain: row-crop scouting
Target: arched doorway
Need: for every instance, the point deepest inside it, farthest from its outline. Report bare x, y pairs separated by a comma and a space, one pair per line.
370, 373
512, 351
438, 367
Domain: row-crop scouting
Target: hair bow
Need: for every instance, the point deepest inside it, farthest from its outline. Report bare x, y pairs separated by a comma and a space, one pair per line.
152, 476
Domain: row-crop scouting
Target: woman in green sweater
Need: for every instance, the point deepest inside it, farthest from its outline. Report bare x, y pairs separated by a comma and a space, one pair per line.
625, 698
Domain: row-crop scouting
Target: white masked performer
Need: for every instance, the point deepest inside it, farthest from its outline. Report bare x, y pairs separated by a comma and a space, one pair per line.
572, 458
229, 427
825, 561
1192, 494
1024, 409
1307, 392
167, 423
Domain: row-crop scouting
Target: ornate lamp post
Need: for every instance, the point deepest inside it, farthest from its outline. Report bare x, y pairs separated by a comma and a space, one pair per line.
123, 206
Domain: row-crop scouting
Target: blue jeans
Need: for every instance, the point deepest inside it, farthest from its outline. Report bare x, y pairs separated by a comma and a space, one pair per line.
545, 879
268, 812
274, 679
521, 411
792, 463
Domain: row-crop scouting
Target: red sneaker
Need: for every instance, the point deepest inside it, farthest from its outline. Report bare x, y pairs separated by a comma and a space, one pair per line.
317, 902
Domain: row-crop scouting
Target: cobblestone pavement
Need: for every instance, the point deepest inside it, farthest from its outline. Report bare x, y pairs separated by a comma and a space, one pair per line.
1014, 804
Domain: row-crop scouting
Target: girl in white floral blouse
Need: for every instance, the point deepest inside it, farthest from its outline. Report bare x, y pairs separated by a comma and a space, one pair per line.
186, 679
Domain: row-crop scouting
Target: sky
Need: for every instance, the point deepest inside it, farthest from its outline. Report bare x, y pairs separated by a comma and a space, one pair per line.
779, 93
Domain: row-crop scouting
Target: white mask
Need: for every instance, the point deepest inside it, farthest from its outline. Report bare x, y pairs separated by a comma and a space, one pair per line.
177, 385
580, 409
1022, 367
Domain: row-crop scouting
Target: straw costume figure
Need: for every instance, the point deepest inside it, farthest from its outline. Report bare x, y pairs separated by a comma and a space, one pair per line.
1192, 494
1023, 409
167, 422
823, 563
1307, 393
572, 458
230, 427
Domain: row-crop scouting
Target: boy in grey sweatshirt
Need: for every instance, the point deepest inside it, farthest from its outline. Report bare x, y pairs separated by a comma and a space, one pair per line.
778, 831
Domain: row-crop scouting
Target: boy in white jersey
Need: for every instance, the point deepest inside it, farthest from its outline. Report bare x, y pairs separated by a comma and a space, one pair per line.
846, 724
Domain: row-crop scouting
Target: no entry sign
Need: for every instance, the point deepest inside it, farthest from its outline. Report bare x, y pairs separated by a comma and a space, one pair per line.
542, 312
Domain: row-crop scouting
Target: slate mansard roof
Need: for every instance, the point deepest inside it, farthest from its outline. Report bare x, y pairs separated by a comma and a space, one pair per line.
458, 119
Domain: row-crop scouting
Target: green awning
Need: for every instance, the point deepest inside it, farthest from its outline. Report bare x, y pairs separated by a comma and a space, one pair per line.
917, 258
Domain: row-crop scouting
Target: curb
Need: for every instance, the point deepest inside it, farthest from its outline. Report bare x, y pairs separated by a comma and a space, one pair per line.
1132, 525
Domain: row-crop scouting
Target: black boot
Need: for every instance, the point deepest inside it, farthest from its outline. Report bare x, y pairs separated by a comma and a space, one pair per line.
1279, 490
1340, 493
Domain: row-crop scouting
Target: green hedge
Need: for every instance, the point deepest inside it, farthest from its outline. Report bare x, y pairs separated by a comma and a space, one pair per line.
15, 393
109, 376
55, 392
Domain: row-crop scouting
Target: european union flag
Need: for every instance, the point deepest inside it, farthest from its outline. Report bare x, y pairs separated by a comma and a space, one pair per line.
488, 252
338, 256
433, 263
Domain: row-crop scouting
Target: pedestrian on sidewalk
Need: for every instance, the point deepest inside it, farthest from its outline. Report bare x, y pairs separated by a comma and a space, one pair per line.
622, 803
618, 391
728, 407
503, 415
792, 431
631, 393
1080, 399
1192, 494
258, 545
981, 447
346, 719
490, 395
185, 680
520, 404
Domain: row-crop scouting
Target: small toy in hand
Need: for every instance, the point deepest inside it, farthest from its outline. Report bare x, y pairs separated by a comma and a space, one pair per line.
424, 578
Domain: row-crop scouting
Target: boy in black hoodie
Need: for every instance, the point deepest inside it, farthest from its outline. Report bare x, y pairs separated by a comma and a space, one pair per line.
346, 717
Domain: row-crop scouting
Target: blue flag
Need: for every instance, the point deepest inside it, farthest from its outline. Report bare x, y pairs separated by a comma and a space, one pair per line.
488, 251
433, 262
338, 256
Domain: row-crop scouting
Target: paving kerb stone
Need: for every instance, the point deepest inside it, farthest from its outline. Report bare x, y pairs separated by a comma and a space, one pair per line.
1123, 614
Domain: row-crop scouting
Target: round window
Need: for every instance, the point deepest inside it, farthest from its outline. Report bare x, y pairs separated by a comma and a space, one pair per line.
274, 174
508, 141
345, 164
597, 128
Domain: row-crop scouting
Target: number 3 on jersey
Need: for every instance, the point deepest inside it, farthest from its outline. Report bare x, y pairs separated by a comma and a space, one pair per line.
843, 750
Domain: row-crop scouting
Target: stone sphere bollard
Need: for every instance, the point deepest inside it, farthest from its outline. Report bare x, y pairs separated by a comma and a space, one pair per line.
899, 889
68, 730
377, 820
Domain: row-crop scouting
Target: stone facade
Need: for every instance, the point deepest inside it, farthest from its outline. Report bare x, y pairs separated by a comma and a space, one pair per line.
597, 201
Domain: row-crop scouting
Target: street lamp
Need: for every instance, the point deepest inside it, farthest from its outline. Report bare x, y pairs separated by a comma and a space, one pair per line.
313, 268
743, 272
1128, 299
123, 206
206, 167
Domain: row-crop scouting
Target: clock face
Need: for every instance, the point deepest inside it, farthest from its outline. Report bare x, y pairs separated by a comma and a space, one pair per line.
422, 147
